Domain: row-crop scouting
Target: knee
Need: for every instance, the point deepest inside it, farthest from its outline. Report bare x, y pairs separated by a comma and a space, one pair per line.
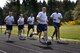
34, 33
56, 29
9, 31
45, 32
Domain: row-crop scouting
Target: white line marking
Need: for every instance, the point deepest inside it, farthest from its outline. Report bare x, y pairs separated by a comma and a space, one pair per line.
3, 51
25, 48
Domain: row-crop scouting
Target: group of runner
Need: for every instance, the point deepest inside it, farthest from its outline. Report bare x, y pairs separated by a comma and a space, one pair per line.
42, 24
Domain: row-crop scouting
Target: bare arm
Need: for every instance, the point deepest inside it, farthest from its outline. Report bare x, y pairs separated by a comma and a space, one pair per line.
37, 19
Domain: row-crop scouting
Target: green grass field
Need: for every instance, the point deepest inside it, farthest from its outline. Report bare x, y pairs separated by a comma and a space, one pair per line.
67, 31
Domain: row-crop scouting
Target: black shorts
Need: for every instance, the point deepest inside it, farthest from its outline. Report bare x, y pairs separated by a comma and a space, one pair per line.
20, 27
30, 26
56, 25
41, 27
9, 27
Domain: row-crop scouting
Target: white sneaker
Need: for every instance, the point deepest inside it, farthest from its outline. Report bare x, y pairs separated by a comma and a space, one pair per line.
39, 39
57, 40
31, 37
9, 39
44, 39
52, 38
28, 37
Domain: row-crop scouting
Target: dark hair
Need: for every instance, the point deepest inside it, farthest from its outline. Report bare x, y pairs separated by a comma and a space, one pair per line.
57, 10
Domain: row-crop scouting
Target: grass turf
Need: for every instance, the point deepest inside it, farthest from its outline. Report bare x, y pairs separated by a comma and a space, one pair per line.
66, 31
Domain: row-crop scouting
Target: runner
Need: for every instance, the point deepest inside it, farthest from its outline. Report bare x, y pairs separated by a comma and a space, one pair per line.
9, 24
42, 24
56, 16
30, 21
20, 25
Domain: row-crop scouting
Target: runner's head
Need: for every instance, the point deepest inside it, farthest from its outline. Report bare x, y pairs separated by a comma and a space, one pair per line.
10, 13
31, 14
21, 15
57, 10
44, 9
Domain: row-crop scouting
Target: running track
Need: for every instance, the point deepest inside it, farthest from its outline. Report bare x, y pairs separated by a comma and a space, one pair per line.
33, 46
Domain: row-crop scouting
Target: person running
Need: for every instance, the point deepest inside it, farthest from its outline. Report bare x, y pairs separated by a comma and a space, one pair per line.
9, 24
30, 21
20, 25
56, 16
42, 24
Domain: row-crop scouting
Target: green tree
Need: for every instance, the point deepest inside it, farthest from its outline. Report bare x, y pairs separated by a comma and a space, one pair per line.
14, 6
68, 16
68, 6
18, 7
34, 6
39, 5
1, 16
50, 8
76, 11
23, 6
53, 4
44, 3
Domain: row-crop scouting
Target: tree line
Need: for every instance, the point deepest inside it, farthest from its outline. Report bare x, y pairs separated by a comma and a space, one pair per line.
32, 6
